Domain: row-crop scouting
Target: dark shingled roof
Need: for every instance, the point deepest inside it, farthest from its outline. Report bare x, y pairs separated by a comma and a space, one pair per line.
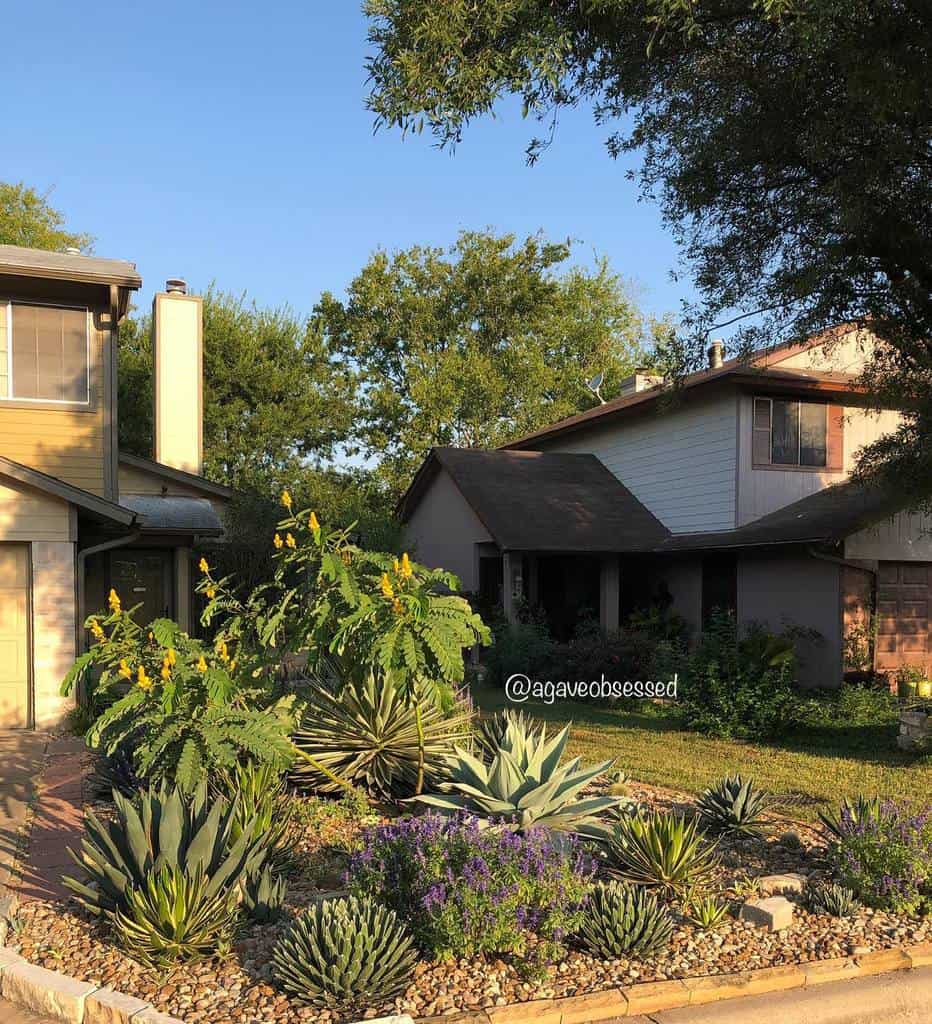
543, 501
827, 516
174, 514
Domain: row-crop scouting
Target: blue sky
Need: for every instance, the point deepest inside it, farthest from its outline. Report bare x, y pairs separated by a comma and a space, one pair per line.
230, 142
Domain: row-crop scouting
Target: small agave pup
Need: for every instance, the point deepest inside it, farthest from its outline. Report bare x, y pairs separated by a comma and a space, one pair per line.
734, 806
525, 784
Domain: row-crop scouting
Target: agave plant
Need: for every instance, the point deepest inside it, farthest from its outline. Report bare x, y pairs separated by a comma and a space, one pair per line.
162, 828
175, 916
343, 952
863, 810
116, 771
734, 806
660, 849
260, 802
836, 900
488, 733
525, 784
624, 919
705, 911
264, 895
367, 734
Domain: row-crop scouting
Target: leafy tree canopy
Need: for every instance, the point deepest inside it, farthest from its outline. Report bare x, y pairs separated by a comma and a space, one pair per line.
27, 218
476, 344
787, 141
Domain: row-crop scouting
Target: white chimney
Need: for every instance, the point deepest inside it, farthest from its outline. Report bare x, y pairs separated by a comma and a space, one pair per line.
716, 354
640, 380
177, 352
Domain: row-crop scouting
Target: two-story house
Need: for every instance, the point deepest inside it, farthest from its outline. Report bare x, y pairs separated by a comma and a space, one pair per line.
734, 492
77, 516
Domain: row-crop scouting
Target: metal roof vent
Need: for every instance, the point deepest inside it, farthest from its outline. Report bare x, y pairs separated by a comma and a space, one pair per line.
177, 284
72, 250
716, 354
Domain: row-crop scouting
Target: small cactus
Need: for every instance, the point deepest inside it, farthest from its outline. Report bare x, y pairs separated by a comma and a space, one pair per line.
344, 952
623, 919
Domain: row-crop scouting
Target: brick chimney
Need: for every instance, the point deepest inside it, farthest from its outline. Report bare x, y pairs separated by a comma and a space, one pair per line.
177, 351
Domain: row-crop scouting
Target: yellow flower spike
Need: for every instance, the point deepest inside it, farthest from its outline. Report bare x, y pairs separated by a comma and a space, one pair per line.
277, 541
114, 602
142, 679
387, 589
171, 656
211, 593
397, 606
166, 672
201, 664
97, 632
203, 566
125, 671
312, 523
289, 540
406, 571
233, 664
396, 566
286, 500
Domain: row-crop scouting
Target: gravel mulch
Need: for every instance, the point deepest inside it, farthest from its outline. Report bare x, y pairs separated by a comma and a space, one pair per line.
239, 990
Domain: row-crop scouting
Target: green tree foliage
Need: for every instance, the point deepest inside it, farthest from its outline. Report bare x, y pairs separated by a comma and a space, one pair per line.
476, 344
28, 218
788, 144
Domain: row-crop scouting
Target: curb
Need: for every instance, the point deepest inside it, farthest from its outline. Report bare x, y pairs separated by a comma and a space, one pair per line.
64, 998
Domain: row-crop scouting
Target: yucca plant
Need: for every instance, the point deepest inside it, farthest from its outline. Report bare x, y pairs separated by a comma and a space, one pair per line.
162, 828
264, 895
175, 916
660, 849
833, 899
734, 806
862, 811
624, 919
705, 911
488, 733
344, 952
525, 784
368, 735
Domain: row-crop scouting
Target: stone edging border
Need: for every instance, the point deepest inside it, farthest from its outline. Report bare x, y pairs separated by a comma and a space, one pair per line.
81, 1002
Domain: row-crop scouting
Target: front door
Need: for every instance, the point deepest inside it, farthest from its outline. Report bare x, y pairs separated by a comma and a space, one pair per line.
143, 577
14, 636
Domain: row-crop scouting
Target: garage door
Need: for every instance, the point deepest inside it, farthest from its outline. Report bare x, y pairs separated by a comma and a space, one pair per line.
904, 590
14, 636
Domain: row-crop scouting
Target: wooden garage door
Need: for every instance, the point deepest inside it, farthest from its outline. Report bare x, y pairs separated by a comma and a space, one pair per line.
904, 592
14, 636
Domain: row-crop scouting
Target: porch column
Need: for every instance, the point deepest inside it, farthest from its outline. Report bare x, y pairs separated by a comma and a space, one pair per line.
609, 591
512, 584
183, 587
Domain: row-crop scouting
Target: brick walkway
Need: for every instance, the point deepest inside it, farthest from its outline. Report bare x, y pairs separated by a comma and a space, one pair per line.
57, 823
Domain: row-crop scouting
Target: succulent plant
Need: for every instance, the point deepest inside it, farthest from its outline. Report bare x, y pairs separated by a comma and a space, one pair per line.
734, 806
161, 828
343, 952
833, 899
705, 911
260, 798
526, 784
116, 771
862, 811
174, 916
624, 919
367, 735
264, 895
488, 733
660, 849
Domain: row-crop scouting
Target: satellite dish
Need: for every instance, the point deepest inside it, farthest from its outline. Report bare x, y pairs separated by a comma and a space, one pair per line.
594, 385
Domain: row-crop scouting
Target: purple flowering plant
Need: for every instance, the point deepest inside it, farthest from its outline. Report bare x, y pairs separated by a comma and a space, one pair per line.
463, 889
886, 857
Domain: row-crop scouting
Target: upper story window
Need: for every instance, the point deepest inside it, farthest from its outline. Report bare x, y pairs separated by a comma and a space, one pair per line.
790, 433
44, 354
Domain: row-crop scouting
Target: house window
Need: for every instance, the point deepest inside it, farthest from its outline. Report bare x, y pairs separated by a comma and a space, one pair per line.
44, 354
790, 433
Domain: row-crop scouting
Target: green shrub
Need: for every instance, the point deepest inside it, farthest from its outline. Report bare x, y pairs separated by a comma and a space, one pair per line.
831, 899
850, 707
624, 920
660, 849
733, 806
525, 785
525, 646
176, 915
264, 895
367, 734
162, 828
739, 687
344, 952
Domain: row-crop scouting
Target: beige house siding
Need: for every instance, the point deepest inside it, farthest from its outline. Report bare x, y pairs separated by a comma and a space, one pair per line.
53, 627
64, 442
679, 462
848, 354
27, 515
443, 532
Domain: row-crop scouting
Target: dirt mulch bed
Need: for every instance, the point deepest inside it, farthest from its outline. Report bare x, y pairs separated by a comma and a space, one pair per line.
240, 989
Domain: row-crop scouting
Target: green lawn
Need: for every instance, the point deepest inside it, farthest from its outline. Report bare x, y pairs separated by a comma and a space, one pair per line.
811, 770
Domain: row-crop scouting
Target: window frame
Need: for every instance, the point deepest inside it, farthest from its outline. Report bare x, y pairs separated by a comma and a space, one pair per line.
11, 399
792, 467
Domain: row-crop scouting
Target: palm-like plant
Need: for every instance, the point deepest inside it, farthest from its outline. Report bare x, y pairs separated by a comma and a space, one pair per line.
734, 806
662, 850
373, 735
526, 785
